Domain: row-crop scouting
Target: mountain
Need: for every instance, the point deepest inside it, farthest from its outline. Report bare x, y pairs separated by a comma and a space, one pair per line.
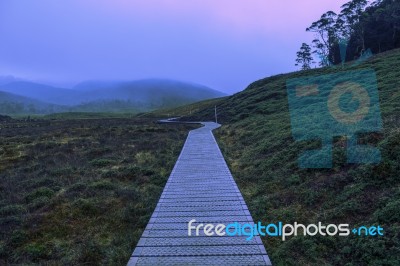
15, 104
150, 93
258, 144
41, 92
114, 96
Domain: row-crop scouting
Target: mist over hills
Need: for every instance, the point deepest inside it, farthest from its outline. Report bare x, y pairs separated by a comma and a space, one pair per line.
15, 104
26, 97
39, 92
8, 79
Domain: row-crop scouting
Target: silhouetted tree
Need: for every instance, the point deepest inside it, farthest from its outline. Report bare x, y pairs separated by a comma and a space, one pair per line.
304, 57
326, 37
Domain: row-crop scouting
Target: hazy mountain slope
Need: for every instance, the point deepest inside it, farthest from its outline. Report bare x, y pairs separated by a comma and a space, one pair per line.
16, 104
41, 92
153, 93
257, 142
115, 96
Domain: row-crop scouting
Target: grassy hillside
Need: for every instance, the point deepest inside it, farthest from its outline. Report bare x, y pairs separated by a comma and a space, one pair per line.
185, 110
80, 192
258, 145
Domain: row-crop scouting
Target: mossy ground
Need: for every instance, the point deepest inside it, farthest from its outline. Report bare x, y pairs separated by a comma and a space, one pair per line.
81, 191
257, 143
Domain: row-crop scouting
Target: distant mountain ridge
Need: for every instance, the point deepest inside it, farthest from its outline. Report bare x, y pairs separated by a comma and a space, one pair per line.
38, 91
15, 104
106, 96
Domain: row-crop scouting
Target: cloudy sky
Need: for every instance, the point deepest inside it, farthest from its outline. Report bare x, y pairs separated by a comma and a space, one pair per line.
224, 44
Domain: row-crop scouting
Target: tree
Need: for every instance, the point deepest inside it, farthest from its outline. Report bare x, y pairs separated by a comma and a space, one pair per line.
393, 19
351, 23
380, 23
326, 37
359, 26
304, 57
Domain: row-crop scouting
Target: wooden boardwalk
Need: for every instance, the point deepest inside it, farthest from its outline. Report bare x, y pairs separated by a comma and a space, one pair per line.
200, 187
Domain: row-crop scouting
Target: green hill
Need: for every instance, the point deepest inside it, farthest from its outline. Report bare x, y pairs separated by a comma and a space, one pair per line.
257, 143
185, 110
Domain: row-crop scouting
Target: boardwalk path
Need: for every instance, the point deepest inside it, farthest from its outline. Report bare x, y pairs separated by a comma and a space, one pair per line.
200, 187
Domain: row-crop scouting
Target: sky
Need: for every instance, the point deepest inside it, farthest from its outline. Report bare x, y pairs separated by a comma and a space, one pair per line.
223, 44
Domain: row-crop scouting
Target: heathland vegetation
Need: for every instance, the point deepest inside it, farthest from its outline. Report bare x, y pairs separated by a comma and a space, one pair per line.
79, 188
257, 142
80, 191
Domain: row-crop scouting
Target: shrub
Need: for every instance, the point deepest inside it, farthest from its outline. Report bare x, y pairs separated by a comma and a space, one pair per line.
102, 162
12, 209
40, 192
103, 184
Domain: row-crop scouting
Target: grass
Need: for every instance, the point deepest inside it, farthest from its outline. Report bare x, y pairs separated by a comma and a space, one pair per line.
257, 143
185, 110
87, 115
74, 115
81, 191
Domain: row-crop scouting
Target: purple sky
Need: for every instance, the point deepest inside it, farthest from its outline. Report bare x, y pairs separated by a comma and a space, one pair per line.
224, 44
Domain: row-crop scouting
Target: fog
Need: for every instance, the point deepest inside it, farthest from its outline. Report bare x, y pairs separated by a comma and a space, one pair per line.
222, 44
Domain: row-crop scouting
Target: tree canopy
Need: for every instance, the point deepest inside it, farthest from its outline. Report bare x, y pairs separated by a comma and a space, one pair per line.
359, 26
